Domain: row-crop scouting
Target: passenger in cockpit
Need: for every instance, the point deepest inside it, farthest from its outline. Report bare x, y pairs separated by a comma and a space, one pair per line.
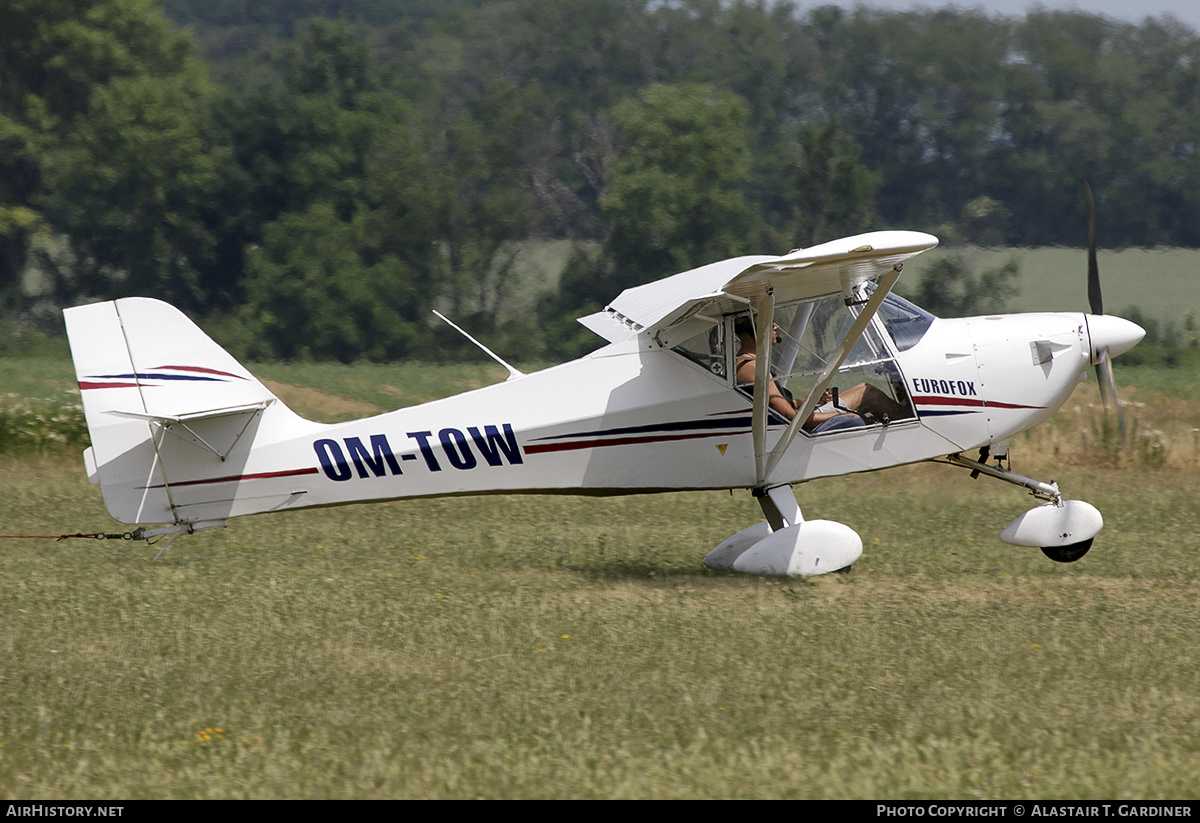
779, 399
844, 412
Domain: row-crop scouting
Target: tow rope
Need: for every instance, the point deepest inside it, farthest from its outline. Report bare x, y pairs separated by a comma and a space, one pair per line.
96, 536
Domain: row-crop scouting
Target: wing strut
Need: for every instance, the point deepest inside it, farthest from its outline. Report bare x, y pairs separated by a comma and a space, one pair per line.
762, 376
839, 356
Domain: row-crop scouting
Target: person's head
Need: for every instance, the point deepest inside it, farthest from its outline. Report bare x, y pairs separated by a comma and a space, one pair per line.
743, 327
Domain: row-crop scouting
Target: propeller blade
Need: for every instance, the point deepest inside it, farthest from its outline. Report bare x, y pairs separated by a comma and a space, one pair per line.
1104, 371
1095, 300
1108, 389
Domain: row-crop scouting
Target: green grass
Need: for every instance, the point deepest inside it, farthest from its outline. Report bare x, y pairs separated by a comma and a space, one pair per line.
1182, 380
569, 647
40, 411
537, 646
37, 377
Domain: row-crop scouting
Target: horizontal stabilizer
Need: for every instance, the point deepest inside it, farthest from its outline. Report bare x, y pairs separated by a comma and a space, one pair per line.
167, 419
216, 431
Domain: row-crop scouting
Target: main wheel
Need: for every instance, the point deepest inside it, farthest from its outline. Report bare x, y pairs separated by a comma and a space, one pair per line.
1067, 554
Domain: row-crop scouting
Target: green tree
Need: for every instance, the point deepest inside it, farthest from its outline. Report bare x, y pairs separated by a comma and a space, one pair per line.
676, 198
338, 210
482, 197
130, 187
319, 287
834, 192
304, 129
919, 92
102, 121
762, 52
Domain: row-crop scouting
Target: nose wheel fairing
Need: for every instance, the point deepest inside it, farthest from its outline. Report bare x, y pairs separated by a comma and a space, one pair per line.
1057, 525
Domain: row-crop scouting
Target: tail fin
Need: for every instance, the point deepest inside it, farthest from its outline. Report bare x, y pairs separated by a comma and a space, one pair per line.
165, 405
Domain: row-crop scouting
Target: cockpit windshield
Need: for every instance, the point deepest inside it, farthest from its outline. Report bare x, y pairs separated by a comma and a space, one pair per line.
906, 323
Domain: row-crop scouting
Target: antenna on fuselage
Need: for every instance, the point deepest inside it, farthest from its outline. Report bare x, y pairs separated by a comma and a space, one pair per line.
512, 372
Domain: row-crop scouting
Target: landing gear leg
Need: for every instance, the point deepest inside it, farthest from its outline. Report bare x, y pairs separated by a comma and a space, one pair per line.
1040, 490
779, 506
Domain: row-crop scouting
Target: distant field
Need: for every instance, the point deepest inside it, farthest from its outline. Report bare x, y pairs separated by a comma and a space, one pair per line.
536, 270
1164, 284
547, 646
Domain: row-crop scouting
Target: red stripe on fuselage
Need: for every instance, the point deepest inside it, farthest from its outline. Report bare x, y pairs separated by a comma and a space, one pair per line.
967, 401
621, 441
236, 478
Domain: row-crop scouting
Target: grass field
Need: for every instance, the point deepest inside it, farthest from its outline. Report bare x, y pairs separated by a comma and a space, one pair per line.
573, 647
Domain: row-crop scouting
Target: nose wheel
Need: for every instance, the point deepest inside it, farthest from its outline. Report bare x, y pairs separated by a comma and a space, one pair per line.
1068, 554
1054, 526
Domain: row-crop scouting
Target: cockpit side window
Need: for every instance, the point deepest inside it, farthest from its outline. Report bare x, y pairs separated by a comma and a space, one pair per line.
706, 348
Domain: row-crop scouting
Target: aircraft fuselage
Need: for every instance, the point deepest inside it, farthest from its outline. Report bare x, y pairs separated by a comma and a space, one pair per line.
637, 417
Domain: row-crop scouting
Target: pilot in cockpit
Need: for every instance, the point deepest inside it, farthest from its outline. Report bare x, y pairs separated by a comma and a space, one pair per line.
849, 409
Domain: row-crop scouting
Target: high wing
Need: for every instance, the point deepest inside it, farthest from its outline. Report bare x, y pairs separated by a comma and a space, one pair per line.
729, 286
678, 307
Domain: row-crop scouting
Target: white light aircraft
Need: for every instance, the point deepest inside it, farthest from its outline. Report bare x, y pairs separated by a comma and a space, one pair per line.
185, 438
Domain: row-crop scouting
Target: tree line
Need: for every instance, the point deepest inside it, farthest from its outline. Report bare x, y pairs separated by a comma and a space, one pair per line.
313, 176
